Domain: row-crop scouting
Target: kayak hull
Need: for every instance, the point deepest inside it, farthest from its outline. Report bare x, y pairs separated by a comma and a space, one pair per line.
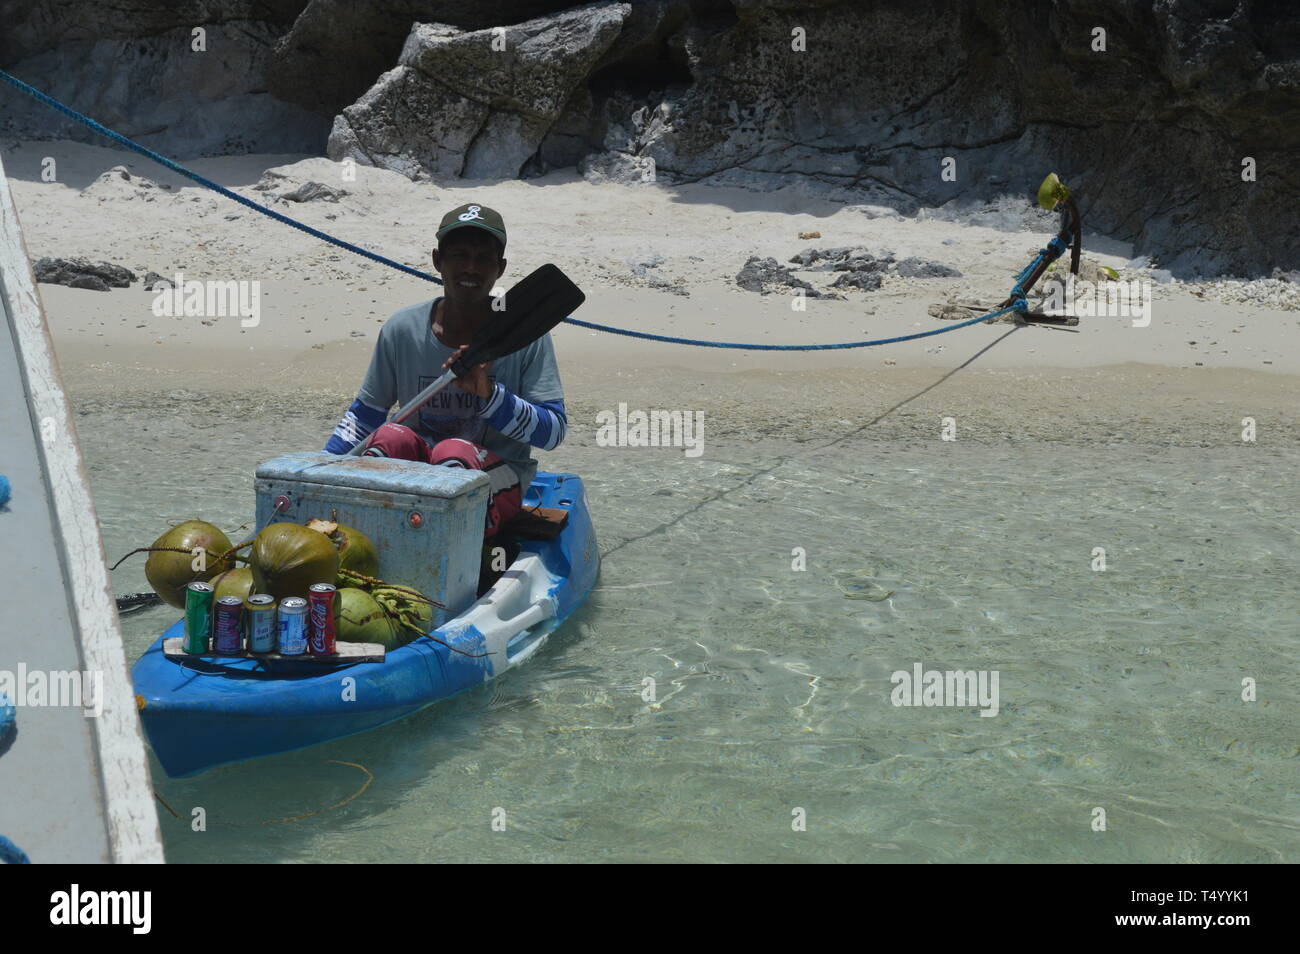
203, 712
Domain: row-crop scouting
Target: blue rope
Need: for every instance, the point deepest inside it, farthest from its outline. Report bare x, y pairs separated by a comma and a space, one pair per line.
10, 853
323, 236
813, 347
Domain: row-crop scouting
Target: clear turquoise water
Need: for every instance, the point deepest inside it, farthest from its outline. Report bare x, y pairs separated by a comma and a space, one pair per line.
1119, 690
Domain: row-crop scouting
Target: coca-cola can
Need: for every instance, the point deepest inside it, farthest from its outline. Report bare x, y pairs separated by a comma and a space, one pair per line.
322, 633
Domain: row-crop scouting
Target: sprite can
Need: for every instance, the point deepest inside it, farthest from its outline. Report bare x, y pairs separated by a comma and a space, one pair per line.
259, 623
198, 617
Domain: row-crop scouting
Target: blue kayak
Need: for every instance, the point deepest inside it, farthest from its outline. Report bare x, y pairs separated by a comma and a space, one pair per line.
200, 712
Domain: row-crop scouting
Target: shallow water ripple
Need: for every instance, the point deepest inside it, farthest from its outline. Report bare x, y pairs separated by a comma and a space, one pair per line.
1118, 690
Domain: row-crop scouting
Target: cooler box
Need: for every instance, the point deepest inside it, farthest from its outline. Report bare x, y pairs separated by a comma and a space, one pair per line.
426, 522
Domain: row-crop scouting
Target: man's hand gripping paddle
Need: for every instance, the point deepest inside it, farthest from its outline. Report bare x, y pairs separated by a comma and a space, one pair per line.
523, 314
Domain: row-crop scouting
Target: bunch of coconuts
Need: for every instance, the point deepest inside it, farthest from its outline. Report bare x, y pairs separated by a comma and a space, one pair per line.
286, 560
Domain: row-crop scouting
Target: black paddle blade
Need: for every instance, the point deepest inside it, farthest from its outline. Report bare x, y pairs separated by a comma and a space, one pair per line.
535, 305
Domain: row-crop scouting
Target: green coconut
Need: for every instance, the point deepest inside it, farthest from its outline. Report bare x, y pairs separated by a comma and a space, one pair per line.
356, 551
287, 558
421, 613
361, 619
236, 582
1052, 192
169, 573
404, 606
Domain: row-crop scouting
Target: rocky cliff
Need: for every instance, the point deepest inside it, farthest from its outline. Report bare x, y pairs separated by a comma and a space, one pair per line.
858, 100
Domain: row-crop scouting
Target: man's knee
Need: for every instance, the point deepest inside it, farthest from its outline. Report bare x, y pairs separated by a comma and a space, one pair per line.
398, 442
455, 452
505, 496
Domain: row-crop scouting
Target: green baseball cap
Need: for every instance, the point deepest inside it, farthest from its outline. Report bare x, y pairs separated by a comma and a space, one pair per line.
478, 216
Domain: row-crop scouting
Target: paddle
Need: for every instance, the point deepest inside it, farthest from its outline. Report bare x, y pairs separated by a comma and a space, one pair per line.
530, 309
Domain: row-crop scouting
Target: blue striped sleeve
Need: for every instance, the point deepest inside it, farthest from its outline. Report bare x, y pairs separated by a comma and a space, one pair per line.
541, 425
358, 423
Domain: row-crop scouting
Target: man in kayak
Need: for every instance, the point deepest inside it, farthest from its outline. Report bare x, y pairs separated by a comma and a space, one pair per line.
488, 419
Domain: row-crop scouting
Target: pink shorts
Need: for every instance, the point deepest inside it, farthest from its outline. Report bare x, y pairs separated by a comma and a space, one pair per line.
505, 497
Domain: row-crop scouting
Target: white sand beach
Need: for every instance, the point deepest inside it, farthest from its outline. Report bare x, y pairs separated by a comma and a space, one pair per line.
1213, 352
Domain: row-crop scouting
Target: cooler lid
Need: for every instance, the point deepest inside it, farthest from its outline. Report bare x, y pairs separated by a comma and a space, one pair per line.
374, 473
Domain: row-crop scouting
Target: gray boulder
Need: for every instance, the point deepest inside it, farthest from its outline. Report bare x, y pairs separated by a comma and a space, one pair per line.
617, 167
281, 186
922, 268
862, 261
34, 28
810, 256
456, 105
80, 273
335, 48
758, 273
764, 275
162, 94
864, 280
312, 191
91, 282
379, 129
845, 258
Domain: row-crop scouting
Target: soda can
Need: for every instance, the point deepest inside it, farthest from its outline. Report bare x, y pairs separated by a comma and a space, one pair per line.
321, 636
198, 617
292, 623
259, 623
227, 626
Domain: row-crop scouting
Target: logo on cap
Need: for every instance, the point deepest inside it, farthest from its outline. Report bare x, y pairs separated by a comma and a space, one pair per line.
471, 215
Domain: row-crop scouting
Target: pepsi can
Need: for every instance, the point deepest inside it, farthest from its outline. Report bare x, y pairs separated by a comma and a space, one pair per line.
227, 626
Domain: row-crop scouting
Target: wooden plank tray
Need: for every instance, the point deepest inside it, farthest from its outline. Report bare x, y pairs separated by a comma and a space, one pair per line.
347, 653
537, 523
